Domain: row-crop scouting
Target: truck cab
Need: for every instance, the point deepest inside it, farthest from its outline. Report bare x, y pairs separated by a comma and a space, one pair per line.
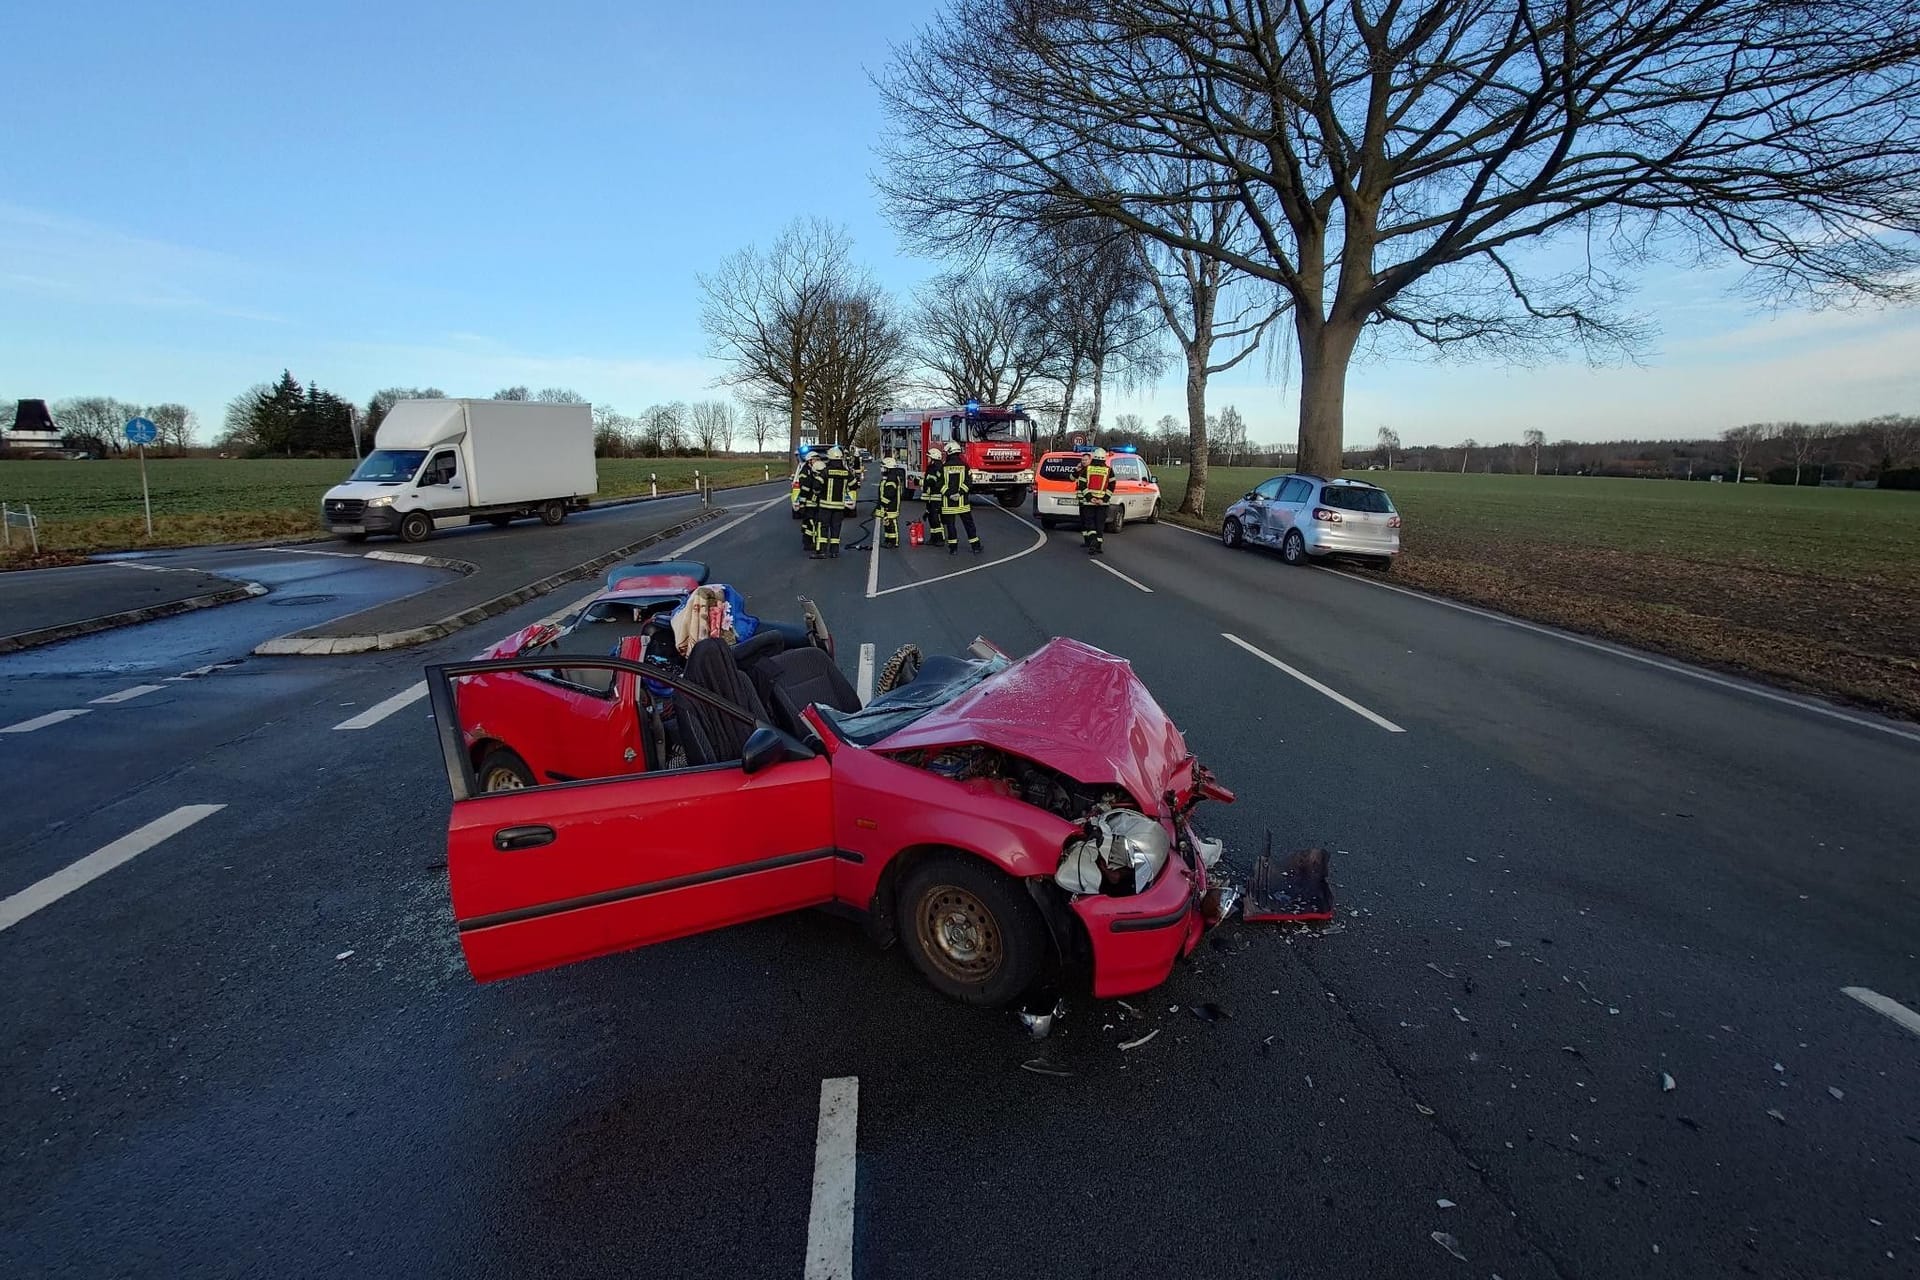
995, 440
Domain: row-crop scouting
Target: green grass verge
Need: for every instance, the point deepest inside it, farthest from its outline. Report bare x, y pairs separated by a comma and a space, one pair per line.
1814, 588
95, 506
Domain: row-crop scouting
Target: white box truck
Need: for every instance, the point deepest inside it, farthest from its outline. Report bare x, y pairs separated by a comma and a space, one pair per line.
438, 463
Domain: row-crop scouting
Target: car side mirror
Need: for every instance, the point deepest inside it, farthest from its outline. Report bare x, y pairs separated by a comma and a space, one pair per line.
764, 748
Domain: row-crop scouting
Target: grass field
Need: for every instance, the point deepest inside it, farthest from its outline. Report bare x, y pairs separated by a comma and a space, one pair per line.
1818, 588
95, 506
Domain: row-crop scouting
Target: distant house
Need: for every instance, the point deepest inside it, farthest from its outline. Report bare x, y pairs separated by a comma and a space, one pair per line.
33, 433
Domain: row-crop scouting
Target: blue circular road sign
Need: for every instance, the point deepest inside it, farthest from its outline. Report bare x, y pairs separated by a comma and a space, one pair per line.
141, 431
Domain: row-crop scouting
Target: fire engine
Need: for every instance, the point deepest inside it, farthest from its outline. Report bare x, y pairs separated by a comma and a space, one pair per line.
997, 441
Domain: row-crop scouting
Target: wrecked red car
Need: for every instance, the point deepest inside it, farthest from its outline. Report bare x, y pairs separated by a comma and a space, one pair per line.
995, 827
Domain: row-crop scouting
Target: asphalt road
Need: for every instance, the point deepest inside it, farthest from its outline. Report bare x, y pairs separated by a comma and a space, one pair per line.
253, 1048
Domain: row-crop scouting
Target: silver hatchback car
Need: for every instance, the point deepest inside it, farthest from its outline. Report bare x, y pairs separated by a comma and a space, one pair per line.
1310, 517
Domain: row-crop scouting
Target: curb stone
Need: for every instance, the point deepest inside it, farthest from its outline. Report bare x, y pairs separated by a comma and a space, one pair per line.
298, 644
128, 617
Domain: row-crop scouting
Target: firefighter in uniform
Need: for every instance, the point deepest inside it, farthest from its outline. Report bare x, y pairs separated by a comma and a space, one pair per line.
886, 507
1093, 488
930, 498
836, 498
813, 488
955, 505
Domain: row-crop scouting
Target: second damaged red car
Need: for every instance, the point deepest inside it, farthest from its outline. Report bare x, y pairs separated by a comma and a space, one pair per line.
990, 822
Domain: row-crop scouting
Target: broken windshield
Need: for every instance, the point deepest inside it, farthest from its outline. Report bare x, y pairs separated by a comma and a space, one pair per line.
939, 682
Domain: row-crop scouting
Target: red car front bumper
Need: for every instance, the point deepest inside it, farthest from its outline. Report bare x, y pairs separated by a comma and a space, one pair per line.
1136, 940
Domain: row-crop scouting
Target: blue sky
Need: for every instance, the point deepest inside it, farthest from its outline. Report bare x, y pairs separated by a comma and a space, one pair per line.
475, 195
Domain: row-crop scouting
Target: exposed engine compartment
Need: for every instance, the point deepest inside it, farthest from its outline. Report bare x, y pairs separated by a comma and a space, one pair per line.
1019, 779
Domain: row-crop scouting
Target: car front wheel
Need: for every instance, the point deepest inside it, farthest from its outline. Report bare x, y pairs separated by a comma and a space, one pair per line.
553, 513
1230, 533
1294, 549
973, 932
502, 770
416, 526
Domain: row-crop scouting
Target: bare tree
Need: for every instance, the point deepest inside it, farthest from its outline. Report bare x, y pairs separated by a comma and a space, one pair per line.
1168, 431
94, 423
243, 412
1192, 286
1895, 439
610, 428
663, 428
1533, 438
1389, 441
1467, 447
1233, 435
1801, 440
1100, 308
979, 335
759, 424
1741, 442
513, 393
762, 312
711, 422
559, 395
1393, 159
175, 423
858, 358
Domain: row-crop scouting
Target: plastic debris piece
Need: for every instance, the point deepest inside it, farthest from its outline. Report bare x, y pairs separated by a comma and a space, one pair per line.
1775, 1113
1038, 1018
1442, 972
1778, 1067
1447, 1242
1173, 1008
1834, 1093
1423, 1108
1041, 1067
1444, 1204
1291, 888
1309, 1082
343, 955
1612, 1010
1210, 1012
1667, 1083
1501, 943
1458, 1014
1129, 1008
1135, 1044
1567, 1048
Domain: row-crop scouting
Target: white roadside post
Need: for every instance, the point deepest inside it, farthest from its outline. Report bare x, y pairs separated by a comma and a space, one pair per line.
141, 432
653, 485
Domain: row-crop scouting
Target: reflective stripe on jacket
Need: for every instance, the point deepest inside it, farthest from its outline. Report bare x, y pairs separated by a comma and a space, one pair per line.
1094, 485
836, 484
893, 484
954, 489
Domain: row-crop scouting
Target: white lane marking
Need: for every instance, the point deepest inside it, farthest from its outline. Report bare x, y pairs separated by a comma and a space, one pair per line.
41, 722
127, 695
705, 538
830, 1223
864, 685
1882, 1004
1132, 582
308, 551
1315, 685
1039, 541
873, 563
102, 860
1673, 668
379, 711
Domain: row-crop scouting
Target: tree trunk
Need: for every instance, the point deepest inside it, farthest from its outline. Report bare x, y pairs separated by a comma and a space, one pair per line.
793, 422
1099, 385
1326, 349
1066, 403
1195, 503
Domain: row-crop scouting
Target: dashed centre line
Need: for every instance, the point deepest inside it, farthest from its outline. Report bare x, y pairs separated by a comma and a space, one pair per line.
1132, 582
127, 695
41, 722
863, 685
379, 711
830, 1222
1886, 1005
102, 860
1315, 685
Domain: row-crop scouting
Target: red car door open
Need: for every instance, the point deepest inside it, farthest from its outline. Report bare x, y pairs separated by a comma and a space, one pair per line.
553, 874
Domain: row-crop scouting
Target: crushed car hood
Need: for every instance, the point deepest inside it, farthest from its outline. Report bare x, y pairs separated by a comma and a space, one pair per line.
1073, 708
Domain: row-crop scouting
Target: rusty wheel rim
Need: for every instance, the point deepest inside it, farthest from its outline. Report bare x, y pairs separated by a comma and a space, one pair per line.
502, 778
958, 933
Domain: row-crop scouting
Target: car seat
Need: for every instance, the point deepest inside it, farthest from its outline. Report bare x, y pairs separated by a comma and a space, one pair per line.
802, 677
711, 735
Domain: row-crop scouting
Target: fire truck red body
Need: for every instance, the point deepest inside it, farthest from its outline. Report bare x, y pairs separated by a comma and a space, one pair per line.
997, 441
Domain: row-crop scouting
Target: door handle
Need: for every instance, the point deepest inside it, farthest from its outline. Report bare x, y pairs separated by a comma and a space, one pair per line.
508, 839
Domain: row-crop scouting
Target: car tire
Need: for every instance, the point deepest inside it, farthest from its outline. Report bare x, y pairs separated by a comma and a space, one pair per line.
973, 932
1384, 564
1231, 535
499, 522
416, 526
553, 513
1048, 522
1153, 513
502, 770
1117, 517
1294, 549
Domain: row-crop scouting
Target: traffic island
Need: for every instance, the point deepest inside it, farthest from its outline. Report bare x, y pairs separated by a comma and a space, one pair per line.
44, 606
499, 575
